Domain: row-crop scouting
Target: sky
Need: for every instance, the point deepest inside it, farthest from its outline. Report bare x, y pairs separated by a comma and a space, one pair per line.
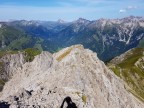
69, 10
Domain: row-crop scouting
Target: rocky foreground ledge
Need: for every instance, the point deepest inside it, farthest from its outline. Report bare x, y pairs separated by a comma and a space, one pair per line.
73, 76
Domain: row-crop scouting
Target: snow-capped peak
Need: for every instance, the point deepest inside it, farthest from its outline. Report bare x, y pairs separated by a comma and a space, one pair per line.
27, 23
82, 20
61, 21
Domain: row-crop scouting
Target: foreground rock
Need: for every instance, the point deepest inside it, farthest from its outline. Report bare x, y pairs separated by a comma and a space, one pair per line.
72, 73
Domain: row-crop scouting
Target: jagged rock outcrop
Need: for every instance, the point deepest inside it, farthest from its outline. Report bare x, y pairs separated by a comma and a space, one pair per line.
10, 64
75, 72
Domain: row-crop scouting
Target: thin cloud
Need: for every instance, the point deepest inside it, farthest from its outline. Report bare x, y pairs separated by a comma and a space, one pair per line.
69, 9
31, 9
122, 10
65, 4
23, 12
92, 2
127, 9
131, 7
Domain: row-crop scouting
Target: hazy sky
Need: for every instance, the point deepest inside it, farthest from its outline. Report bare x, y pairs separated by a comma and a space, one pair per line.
69, 9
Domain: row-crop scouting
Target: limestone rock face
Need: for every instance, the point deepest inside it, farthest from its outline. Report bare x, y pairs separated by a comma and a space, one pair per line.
10, 64
75, 72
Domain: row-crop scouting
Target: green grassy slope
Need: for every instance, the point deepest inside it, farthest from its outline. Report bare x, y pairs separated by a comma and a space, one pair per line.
141, 43
131, 70
16, 39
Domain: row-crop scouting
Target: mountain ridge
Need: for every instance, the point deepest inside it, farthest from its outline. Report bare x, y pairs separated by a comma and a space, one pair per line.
130, 67
75, 72
102, 36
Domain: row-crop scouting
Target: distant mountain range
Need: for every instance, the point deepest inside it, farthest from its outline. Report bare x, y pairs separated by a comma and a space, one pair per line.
107, 37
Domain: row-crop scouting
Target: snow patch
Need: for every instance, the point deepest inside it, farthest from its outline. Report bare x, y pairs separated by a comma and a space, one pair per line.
104, 23
142, 24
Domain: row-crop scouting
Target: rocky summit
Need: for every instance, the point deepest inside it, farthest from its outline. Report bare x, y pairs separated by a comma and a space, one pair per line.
73, 77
